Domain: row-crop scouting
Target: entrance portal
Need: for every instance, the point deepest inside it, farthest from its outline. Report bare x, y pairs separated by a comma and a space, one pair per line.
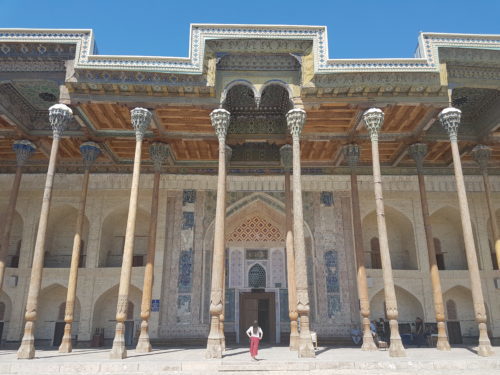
258, 306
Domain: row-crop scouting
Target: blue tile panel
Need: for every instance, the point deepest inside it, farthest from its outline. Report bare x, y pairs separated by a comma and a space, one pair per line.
326, 198
332, 283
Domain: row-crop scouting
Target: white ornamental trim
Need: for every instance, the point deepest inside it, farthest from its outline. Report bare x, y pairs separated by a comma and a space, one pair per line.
426, 58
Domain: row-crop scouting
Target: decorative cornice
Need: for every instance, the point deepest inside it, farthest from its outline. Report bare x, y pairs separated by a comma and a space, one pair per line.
426, 59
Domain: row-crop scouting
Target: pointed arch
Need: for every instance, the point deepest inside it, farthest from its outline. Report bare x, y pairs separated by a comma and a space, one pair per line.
243, 85
113, 237
409, 306
51, 300
400, 236
104, 315
60, 236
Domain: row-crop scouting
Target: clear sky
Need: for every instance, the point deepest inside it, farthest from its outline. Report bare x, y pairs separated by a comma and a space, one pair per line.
356, 29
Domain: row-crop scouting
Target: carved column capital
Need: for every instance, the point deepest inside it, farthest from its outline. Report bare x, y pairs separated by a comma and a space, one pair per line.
220, 121
450, 120
158, 151
286, 153
374, 118
228, 153
90, 151
351, 154
481, 155
418, 151
295, 120
141, 118
23, 149
59, 116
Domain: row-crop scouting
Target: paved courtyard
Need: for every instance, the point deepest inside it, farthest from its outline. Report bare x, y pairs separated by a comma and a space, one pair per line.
272, 360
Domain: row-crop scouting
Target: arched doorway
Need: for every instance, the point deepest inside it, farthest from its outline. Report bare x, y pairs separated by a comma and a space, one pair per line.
460, 318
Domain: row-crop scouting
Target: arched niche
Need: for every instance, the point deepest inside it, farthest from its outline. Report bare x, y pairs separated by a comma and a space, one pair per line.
461, 297
409, 306
16, 236
49, 304
113, 238
447, 228
263, 211
104, 317
400, 236
60, 237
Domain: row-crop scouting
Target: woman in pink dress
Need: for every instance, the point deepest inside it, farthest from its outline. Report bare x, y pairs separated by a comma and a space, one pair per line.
255, 334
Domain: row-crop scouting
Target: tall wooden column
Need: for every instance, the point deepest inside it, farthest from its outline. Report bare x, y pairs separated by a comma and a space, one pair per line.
220, 122
228, 154
296, 119
351, 153
23, 149
140, 121
482, 155
418, 151
158, 152
374, 118
90, 151
59, 115
450, 119
286, 162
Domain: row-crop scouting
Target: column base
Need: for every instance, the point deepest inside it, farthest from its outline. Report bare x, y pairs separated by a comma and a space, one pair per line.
396, 348
214, 348
119, 351
306, 348
368, 343
484, 349
143, 344
442, 342
27, 348
66, 344
294, 341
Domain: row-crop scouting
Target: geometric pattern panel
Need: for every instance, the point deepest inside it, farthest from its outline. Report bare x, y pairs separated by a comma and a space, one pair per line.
256, 229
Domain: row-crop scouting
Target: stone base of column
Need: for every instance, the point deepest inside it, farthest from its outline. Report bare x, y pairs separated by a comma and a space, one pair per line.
214, 348
66, 344
294, 336
442, 342
143, 344
306, 348
396, 348
222, 336
368, 344
119, 351
484, 349
27, 348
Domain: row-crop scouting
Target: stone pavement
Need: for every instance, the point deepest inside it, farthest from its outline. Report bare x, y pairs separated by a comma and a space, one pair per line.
272, 360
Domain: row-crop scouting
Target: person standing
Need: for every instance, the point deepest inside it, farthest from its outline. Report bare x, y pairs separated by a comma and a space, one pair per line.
255, 334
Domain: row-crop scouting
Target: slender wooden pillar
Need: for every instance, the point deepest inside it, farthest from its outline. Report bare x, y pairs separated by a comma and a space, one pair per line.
140, 121
90, 151
286, 161
229, 152
374, 118
59, 115
351, 153
220, 122
482, 155
158, 152
296, 119
23, 149
450, 119
418, 151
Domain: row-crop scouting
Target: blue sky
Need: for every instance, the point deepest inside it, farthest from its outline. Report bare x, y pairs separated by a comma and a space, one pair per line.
356, 29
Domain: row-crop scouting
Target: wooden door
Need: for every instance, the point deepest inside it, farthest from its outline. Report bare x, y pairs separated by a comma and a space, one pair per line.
249, 311
454, 332
129, 332
58, 333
